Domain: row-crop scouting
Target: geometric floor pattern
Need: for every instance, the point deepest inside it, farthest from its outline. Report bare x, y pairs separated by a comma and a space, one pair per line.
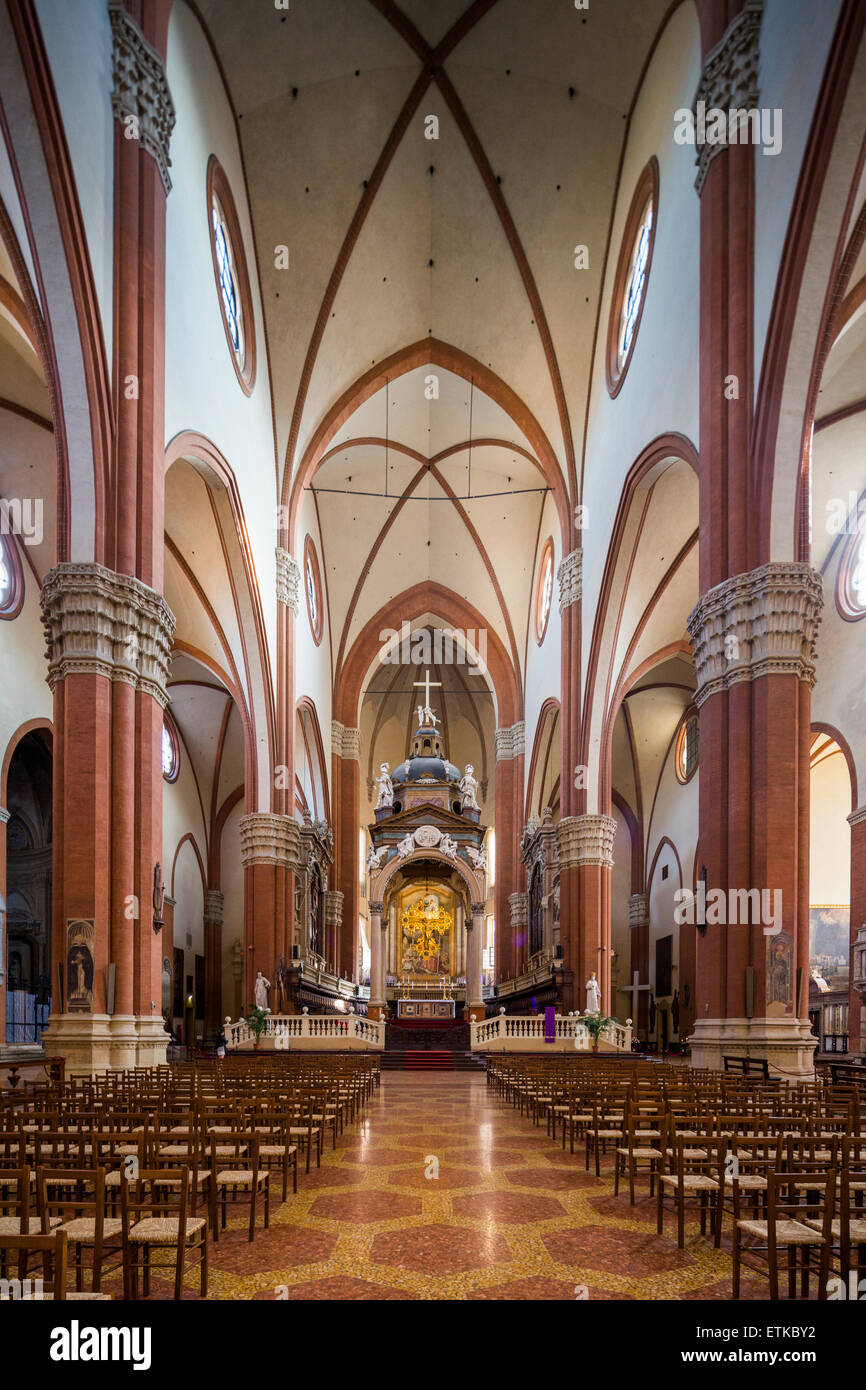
441, 1191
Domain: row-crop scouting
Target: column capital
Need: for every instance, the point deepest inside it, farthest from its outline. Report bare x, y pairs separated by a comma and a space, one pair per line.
214, 902
586, 839
638, 910
5, 813
140, 89
856, 817
345, 742
510, 742
112, 625
478, 909
729, 80
763, 622
519, 904
333, 908
268, 838
288, 580
570, 575
376, 909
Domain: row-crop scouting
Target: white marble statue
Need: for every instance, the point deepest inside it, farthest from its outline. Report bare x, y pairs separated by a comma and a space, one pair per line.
374, 858
430, 716
260, 991
420, 716
386, 788
477, 857
448, 847
406, 846
468, 787
593, 995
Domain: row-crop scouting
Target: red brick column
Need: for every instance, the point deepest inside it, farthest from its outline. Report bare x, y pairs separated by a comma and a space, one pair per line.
269, 847
639, 922
213, 963
283, 790
586, 855
509, 950
345, 751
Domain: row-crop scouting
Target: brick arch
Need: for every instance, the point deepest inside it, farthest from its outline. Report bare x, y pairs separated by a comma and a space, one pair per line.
306, 706
832, 732
28, 727
474, 882
202, 454
435, 353
451, 608
180, 844
549, 709
665, 840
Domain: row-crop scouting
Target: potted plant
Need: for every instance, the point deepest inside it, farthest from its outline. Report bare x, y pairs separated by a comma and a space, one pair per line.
596, 1024
256, 1021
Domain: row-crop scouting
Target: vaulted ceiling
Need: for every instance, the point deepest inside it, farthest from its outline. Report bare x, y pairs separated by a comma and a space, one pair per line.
467, 238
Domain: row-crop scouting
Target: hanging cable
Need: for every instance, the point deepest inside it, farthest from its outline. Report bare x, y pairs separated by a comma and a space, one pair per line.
471, 398
386, 436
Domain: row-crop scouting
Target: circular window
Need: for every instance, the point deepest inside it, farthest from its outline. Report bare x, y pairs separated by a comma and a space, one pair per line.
686, 753
632, 275
851, 590
544, 591
230, 273
170, 754
313, 590
11, 581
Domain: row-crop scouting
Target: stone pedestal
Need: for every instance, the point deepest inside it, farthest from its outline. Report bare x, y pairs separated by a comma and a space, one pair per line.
92, 1043
787, 1044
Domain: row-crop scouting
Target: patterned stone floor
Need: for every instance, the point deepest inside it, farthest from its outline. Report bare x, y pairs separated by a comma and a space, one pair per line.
441, 1191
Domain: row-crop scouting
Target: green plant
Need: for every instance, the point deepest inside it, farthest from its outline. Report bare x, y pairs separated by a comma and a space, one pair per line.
596, 1024
256, 1021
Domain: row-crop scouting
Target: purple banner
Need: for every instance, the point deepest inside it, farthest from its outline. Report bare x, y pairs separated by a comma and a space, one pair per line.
550, 1025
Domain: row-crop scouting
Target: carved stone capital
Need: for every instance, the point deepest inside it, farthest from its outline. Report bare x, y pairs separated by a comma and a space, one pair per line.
586, 839
638, 910
288, 580
333, 908
214, 901
140, 93
345, 742
376, 909
477, 910
4, 815
763, 622
268, 838
856, 817
519, 904
510, 742
570, 575
108, 624
729, 81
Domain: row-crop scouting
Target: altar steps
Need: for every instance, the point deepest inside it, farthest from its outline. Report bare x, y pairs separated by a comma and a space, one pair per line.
430, 1060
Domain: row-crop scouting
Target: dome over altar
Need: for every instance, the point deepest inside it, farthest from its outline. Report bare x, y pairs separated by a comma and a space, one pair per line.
427, 761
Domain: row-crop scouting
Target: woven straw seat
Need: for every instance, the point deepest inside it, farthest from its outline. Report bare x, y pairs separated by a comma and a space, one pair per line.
83, 1229
857, 1230
163, 1230
787, 1232
696, 1182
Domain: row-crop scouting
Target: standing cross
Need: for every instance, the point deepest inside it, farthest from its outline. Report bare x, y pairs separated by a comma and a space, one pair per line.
634, 990
426, 684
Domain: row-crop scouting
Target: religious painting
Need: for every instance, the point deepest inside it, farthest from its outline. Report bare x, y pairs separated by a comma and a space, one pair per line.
80, 934
829, 927
425, 936
664, 962
780, 975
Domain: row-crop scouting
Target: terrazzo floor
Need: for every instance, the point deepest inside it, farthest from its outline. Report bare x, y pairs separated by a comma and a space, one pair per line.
440, 1190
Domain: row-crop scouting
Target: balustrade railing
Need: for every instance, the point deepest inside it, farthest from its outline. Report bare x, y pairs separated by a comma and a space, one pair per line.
523, 1032
332, 1031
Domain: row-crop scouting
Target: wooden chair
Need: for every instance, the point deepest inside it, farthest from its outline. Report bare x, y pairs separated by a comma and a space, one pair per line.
303, 1127
645, 1140
156, 1217
606, 1128
692, 1173
75, 1199
797, 1229
277, 1153
242, 1175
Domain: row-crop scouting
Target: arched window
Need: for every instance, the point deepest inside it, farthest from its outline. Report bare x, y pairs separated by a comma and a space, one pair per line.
686, 753
313, 590
544, 591
851, 592
230, 274
632, 276
11, 584
170, 753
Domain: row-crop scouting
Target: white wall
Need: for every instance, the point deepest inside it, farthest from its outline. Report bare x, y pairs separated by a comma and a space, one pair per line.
22, 651
542, 675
